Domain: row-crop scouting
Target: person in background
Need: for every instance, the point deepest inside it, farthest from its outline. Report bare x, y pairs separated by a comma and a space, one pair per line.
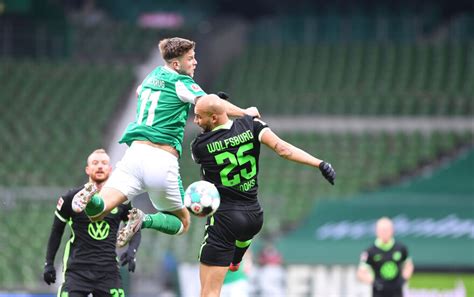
271, 275
90, 258
385, 265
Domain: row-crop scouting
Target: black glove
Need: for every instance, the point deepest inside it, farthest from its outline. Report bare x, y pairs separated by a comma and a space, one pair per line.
128, 257
223, 95
49, 274
328, 172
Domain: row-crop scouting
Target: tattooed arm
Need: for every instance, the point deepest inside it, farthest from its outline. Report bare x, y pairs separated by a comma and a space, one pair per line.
287, 150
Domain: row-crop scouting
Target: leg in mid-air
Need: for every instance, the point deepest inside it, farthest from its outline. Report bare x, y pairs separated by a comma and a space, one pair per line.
240, 248
172, 223
143, 168
162, 181
97, 205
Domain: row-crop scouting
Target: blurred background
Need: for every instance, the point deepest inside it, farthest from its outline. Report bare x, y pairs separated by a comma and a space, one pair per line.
384, 90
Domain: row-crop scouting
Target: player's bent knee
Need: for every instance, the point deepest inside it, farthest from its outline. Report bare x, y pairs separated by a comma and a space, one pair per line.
112, 197
185, 218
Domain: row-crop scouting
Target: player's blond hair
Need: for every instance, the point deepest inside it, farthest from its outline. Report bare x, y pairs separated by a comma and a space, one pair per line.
175, 47
97, 151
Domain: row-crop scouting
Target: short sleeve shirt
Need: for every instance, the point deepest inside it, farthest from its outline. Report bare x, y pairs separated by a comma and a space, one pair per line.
164, 100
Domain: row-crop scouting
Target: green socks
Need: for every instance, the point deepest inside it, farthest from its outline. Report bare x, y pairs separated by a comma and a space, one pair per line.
95, 206
164, 222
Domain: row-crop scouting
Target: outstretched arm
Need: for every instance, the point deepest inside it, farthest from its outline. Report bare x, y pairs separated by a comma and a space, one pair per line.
293, 153
287, 150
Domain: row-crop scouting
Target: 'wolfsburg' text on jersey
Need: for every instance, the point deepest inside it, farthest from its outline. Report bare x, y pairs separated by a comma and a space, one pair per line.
229, 159
164, 101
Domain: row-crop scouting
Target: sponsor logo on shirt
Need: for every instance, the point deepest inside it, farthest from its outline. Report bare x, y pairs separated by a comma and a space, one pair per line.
60, 203
98, 230
196, 88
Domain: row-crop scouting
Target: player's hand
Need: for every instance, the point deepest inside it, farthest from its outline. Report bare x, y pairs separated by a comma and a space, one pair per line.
223, 95
128, 257
328, 172
252, 111
49, 274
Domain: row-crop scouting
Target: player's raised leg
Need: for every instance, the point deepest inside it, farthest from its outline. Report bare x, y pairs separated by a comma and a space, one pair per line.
103, 202
241, 247
165, 188
135, 221
82, 198
97, 205
173, 223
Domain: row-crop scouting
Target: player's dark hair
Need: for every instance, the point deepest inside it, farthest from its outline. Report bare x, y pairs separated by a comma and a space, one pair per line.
175, 47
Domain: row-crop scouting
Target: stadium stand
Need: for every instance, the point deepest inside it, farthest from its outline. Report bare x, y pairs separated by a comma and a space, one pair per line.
125, 43
357, 79
51, 118
364, 65
55, 111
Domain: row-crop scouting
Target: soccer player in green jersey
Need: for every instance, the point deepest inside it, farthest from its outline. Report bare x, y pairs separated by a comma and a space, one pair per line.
155, 144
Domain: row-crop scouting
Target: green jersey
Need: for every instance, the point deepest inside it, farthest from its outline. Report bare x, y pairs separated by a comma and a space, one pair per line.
240, 274
164, 101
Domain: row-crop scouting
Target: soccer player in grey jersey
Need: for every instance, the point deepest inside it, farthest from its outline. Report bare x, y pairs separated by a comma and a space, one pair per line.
155, 144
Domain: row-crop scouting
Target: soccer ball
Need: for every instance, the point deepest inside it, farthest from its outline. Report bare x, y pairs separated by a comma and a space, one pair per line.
202, 198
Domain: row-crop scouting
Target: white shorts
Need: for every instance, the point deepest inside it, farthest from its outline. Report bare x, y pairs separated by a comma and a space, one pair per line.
144, 168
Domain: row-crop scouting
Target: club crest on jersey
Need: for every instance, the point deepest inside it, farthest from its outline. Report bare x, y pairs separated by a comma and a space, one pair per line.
98, 230
196, 88
60, 203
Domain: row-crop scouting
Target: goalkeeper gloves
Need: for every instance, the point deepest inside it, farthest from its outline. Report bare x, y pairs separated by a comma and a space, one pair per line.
223, 95
129, 257
328, 172
49, 274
